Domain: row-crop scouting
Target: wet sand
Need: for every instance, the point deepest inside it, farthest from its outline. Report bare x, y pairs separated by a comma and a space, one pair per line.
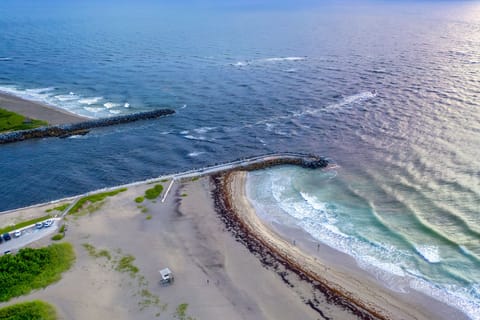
38, 110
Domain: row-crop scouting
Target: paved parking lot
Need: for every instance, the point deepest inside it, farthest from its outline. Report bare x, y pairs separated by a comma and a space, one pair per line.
29, 235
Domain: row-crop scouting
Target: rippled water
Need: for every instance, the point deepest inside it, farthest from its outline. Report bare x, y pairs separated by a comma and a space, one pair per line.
388, 91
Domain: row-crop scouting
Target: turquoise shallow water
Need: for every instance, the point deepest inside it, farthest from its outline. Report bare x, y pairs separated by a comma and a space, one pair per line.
404, 243
389, 91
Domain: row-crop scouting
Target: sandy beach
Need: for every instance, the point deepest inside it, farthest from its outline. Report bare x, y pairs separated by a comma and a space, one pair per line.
37, 110
218, 274
338, 274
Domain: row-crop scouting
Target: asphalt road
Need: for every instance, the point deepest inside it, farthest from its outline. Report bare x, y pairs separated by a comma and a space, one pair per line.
29, 235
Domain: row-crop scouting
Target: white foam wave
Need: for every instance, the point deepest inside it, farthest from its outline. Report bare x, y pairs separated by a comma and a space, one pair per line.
292, 70
184, 106
184, 132
429, 253
115, 111
90, 101
93, 109
126, 105
204, 129
283, 59
195, 154
109, 105
240, 64
199, 138
67, 97
6, 59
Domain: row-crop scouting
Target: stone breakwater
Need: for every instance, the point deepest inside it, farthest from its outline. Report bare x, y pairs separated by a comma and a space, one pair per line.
66, 130
277, 261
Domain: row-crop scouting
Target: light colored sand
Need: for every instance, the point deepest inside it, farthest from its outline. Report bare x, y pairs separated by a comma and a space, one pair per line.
37, 110
337, 269
215, 275
13, 217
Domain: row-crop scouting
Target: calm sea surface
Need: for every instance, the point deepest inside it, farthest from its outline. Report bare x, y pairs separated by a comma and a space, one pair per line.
390, 92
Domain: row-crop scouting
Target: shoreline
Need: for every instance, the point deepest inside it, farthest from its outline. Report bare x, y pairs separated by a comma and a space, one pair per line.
211, 237
38, 110
333, 273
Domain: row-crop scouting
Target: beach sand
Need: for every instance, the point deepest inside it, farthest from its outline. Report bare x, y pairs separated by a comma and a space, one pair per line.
216, 274
38, 110
334, 269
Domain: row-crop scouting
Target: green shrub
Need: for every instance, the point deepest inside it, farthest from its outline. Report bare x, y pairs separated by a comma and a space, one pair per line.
154, 192
139, 199
57, 237
33, 269
32, 310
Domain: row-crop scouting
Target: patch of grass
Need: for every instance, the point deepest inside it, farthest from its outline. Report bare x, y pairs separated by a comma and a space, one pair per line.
33, 269
195, 178
139, 199
148, 217
93, 199
57, 237
32, 310
164, 180
11, 121
181, 312
24, 224
61, 208
62, 228
93, 252
125, 264
154, 192
144, 209
183, 195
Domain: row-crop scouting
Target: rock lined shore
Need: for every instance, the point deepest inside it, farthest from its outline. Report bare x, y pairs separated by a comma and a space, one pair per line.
80, 128
272, 259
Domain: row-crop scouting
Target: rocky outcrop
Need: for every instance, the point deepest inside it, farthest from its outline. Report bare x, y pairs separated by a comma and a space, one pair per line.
66, 130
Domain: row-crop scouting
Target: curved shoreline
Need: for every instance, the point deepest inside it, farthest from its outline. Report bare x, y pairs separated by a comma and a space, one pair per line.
339, 281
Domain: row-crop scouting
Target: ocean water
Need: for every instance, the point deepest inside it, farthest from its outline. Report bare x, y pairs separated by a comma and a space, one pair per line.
389, 91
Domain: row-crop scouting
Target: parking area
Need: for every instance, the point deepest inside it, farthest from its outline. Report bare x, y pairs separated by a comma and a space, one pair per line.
23, 237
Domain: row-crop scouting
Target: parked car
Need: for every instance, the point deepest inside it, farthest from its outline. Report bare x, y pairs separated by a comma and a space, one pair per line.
39, 225
17, 234
48, 223
1, 239
8, 252
6, 236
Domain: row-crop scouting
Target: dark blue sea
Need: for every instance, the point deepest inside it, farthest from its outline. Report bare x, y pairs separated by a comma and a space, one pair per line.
389, 91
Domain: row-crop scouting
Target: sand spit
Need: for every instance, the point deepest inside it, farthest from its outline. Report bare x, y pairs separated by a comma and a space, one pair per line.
38, 110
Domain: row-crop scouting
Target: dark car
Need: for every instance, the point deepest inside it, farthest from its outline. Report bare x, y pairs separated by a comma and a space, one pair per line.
6, 236
1, 239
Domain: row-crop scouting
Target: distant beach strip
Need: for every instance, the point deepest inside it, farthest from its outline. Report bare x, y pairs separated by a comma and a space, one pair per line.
61, 123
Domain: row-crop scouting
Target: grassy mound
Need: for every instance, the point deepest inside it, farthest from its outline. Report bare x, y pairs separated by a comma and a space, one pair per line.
33, 269
33, 310
11, 121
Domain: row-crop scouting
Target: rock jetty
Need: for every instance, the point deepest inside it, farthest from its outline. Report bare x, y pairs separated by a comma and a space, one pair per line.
80, 128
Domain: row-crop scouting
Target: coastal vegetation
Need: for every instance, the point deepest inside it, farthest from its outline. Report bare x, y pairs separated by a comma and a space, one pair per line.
32, 310
92, 199
11, 121
139, 199
57, 237
181, 312
60, 208
153, 193
93, 252
33, 269
24, 224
